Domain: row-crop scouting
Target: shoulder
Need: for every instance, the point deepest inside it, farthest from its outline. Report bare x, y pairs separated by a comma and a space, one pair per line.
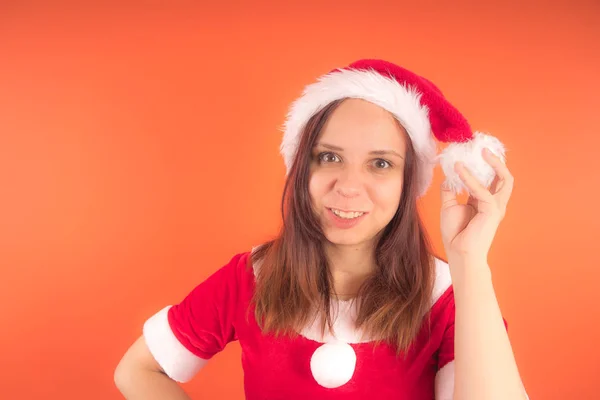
439, 321
232, 278
239, 269
442, 296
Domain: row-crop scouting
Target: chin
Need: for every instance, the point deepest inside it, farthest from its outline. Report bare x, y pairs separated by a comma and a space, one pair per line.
347, 238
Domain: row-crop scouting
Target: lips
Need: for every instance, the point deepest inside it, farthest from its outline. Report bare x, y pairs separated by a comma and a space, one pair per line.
352, 218
346, 214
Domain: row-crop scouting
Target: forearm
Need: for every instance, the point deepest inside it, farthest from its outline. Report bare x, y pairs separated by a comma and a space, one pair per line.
149, 385
485, 366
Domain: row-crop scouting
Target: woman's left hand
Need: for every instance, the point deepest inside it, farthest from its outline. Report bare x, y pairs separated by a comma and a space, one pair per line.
469, 229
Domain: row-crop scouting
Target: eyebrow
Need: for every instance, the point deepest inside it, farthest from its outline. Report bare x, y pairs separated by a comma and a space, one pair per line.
374, 152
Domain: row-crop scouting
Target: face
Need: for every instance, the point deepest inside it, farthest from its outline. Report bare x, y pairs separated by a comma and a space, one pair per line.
356, 173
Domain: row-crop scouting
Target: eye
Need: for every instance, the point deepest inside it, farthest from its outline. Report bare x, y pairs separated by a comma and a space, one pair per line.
380, 163
328, 157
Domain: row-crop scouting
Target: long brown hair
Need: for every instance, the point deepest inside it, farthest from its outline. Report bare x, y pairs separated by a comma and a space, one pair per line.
293, 279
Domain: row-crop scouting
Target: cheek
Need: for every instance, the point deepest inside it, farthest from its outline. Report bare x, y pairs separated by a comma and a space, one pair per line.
387, 195
317, 187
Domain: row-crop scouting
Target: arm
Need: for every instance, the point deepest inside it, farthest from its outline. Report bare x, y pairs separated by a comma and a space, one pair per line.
139, 376
178, 340
485, 367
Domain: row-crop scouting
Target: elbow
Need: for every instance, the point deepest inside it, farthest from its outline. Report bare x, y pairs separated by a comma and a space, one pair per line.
122, 375
118, 376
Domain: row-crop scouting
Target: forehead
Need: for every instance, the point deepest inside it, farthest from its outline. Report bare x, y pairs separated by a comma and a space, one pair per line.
359, 123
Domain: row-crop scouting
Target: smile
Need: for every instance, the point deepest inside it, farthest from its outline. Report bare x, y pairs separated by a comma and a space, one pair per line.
347, 214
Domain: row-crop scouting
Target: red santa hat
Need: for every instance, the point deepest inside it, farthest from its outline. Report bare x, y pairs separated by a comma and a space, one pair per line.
415, 102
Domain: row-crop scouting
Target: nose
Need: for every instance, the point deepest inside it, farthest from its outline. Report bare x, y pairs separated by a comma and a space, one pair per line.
348, 183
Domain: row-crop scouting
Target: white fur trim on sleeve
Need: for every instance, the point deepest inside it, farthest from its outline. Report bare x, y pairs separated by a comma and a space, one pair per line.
444, 382
443, 280
469, 153
178, 362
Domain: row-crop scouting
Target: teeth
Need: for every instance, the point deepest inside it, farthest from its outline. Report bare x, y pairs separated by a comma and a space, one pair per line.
347, 215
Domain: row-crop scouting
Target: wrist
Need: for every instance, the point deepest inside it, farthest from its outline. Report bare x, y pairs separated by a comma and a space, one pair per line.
467, 260
462, 266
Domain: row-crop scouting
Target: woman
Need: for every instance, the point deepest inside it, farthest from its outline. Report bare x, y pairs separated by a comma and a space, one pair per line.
349, 302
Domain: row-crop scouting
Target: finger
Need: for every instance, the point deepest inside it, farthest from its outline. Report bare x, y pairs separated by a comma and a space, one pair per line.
472, 201
476, 189
504, 181
448, 197
496, 185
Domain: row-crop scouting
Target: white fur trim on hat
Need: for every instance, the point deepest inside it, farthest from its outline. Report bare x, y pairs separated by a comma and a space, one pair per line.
402, 101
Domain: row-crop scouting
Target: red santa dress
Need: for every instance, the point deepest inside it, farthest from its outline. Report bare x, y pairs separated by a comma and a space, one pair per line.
342, 365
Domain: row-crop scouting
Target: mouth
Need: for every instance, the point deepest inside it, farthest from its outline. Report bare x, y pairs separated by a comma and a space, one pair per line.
342, 219
349, 215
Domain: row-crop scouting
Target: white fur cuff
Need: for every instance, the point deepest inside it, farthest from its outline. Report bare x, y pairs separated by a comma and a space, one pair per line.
178, 362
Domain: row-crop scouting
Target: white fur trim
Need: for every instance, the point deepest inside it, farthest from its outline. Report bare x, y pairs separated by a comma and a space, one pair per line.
344, 313
470, 154
255, 266
443, 280
344, 328
444, 382
402, 101
332, 364
178, 362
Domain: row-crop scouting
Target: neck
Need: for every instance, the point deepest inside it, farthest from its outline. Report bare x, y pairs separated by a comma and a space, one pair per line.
350, 266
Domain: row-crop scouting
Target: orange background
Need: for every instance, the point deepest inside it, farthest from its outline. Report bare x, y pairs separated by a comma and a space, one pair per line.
139, 152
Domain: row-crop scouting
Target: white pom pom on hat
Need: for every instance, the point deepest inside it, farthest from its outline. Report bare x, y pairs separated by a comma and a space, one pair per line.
416, 103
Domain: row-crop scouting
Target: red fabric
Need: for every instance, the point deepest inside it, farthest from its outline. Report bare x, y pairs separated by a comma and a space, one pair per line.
205, 321
447, 123
217, 312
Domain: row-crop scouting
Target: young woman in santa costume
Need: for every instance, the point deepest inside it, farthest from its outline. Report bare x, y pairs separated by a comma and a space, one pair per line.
349, 301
